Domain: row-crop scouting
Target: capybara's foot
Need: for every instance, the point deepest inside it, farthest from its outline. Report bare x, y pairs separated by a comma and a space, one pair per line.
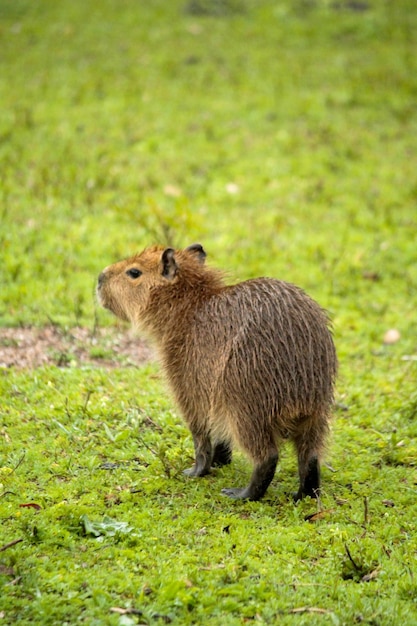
238, 493
196, 471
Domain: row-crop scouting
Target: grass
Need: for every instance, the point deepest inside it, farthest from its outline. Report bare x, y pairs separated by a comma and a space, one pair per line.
281, 136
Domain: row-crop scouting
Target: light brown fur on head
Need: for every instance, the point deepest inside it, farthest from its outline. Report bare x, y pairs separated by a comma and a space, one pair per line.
163, 274
251, 363
122, 293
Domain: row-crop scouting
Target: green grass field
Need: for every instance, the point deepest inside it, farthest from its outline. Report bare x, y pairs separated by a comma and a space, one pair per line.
282, 136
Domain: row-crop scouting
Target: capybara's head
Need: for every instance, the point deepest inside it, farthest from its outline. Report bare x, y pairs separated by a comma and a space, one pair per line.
126, 287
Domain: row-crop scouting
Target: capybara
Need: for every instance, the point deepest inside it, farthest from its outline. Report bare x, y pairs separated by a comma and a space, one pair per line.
249, 364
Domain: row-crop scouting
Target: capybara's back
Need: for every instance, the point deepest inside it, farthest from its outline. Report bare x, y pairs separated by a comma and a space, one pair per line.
249, 364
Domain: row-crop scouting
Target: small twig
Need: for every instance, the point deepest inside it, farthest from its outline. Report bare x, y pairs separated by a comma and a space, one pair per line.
366, 511
358, 569
88, 395
19, 463
310, 609
148, 420
9, 545
6, 493
410, 571
67, 409
95, 329
151, 450
161, 458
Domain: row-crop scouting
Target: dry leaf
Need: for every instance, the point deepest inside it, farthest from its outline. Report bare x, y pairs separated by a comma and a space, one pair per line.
31, 505
130, 611
388, 503
371, 576
314, 517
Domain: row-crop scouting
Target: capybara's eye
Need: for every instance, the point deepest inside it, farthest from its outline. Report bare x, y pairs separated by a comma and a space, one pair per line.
133, 272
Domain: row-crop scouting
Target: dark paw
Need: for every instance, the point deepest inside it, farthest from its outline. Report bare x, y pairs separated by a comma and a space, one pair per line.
236, 493
221, 462
222, 455
299, 495
195, 472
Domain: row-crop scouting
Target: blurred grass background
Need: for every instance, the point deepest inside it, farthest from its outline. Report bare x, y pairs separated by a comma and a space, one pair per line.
281, 135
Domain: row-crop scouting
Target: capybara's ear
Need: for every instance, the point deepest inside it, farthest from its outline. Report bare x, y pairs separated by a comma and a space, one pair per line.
197, 250
169, 266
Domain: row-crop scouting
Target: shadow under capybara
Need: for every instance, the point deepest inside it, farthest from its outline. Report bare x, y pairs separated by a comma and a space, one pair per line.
249, 364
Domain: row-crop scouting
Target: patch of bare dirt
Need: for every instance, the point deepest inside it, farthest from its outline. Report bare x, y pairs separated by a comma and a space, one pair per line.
31, 347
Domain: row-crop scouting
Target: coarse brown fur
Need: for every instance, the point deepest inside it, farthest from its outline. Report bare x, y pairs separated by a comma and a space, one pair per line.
249, 364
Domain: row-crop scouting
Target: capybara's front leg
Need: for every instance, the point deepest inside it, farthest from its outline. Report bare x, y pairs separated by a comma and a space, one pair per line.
259, 483
203, 456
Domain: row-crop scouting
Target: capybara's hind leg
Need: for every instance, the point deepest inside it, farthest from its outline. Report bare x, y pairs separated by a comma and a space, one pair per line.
309, 479
260, 480
203, 456
309, 445
222, 454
